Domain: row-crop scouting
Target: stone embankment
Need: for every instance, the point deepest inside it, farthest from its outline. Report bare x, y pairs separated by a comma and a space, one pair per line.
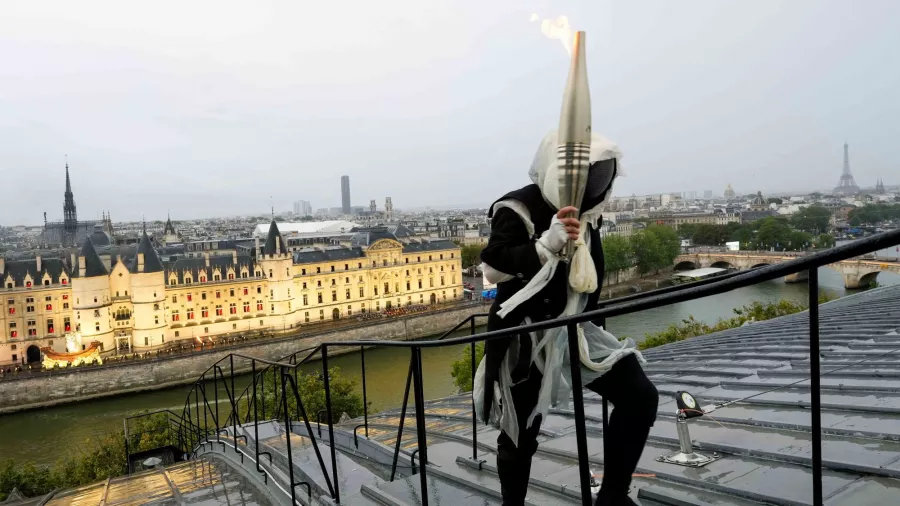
30, 391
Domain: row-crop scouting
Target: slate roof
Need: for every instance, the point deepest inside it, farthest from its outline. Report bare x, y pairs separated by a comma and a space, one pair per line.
18, 269
152, 263
196, 266
92, 263
765, 442
328, 255
99, 237
365, 237
272, 246
442, 244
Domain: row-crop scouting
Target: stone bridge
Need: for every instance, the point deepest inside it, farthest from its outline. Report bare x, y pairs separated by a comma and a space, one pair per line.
857, 273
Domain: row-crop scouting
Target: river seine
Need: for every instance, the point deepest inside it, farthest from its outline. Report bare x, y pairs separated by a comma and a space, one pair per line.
45, 435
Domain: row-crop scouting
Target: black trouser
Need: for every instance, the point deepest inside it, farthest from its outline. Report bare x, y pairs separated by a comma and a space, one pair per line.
634, 400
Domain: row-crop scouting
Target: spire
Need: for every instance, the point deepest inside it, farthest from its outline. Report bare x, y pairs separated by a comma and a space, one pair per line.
68, 181
274, 241
70, 217
93, 266
151, 261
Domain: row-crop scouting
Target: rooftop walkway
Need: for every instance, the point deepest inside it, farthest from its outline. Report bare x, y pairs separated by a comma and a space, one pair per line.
763, 443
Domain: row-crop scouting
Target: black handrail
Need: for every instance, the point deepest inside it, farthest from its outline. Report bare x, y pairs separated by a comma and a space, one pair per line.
606, 309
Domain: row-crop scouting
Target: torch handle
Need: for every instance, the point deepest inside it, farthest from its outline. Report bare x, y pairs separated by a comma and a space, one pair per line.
569, 250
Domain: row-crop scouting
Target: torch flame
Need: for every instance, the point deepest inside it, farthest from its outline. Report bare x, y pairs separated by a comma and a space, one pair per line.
557, 29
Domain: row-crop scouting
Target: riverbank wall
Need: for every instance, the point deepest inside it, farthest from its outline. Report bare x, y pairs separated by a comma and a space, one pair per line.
62, 387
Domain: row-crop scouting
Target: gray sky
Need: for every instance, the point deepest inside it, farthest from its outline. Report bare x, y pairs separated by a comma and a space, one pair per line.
208, 108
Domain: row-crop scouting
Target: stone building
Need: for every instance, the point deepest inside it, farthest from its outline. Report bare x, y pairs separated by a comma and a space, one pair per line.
142, 303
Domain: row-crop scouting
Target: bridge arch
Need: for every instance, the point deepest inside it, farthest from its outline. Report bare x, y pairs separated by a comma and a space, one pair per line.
685, 265
868, 278
722, 264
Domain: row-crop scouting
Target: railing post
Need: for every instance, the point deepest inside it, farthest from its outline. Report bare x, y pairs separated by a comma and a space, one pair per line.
420, 420
127, 453
262, 393
287, 437
216, 400
362, 358
334, 473
474, 415
301, 415
815, 387
605, 405
197, 409
234, 407
255, 415
584, 472
402, 420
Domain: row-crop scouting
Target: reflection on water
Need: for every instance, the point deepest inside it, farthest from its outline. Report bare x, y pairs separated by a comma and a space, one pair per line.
45, 435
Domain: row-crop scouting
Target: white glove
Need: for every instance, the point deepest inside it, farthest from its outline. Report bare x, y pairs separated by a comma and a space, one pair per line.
555, 237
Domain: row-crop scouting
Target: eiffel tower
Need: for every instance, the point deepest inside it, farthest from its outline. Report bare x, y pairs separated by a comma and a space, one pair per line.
846, 186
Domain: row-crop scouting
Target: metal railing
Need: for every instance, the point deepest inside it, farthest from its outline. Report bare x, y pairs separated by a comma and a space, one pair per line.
202, 423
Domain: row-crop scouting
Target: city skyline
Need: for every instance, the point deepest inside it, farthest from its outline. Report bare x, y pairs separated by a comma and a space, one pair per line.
200, 115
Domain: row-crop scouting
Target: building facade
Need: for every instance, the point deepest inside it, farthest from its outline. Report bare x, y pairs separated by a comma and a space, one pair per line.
142, 303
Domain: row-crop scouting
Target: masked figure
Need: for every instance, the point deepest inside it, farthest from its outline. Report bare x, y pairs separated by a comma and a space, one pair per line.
520, 378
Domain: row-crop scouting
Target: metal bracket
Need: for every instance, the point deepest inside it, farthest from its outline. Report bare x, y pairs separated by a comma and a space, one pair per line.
687, 456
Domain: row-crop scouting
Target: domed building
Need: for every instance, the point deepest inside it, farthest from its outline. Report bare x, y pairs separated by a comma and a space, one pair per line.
99, 237
759, 203
729, 192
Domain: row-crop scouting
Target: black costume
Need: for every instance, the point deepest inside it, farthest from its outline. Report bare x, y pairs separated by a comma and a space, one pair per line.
511, 250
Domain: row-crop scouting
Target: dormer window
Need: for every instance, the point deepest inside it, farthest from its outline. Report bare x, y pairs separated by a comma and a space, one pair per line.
64, 281
28, 284
203, 279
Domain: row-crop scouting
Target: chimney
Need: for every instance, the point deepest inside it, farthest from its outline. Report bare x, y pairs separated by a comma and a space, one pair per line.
256, 247
2, 264
140, 262
37, 260
82, 266
206, 258
234, 257
72, 264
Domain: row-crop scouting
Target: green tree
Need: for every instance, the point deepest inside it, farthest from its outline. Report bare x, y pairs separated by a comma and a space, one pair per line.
872, 214
617, 255
824, 241
670, 245
755, 311
655, 248
99, 458
710, 235
471, 254
775, 200
813, 219
311, 387
461, 369
647, 251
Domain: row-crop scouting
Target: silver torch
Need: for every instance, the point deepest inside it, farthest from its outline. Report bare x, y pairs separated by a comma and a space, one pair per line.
573, 151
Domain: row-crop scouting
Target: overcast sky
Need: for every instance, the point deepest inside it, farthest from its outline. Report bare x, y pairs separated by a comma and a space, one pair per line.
210, 108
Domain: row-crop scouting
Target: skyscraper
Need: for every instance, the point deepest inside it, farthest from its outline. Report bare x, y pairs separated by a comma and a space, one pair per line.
345, 194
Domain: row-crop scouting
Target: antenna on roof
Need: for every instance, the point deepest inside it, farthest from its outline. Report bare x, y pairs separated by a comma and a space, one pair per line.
272, 204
